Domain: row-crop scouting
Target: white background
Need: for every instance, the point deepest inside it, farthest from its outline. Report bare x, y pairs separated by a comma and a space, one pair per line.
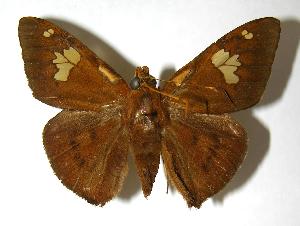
163, 35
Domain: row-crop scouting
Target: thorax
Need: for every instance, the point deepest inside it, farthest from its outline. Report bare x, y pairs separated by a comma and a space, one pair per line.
144, 111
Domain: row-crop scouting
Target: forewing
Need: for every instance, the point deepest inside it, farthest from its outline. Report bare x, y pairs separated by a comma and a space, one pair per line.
88, 152
201, 153
63, 72
232, 73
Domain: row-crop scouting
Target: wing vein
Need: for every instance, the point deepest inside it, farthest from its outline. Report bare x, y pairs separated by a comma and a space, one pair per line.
99, 167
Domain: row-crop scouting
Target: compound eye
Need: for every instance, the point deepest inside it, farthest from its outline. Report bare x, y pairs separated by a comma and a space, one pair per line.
135, 83
153, 82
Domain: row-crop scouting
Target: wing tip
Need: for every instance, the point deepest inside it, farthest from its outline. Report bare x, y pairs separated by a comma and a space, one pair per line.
269, 20
27, 19
27, 24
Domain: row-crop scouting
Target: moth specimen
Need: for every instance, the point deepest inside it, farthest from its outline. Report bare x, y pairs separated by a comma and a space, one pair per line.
186, 122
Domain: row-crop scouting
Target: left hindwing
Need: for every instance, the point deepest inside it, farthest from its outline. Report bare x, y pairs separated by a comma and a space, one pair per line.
63, 72
232, 73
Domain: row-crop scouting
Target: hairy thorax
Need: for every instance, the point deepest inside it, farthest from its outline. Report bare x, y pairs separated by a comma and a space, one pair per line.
144, 115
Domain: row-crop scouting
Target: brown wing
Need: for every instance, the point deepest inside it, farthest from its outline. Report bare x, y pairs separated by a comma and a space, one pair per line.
232, 73
63, 72
201, 153
88, 152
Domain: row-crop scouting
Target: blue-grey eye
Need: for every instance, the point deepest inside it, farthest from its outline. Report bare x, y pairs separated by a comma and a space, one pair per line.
135, 83
153, 82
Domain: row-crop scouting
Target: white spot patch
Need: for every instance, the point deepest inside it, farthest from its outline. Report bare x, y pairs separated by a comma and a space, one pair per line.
227, 65
48, 33
108, 74
247, 35
65, 63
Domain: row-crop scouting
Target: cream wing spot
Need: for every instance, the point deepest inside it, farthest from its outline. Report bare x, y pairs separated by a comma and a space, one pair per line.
220, 57
108, 74
72, 55
233, 61
65, 63
63, 71
51, 31
48, 33
229, 75
59, 59
244, 32
180, 77
247, 35
227, 65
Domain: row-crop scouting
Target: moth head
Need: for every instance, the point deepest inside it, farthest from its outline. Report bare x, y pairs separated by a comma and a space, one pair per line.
142, 76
